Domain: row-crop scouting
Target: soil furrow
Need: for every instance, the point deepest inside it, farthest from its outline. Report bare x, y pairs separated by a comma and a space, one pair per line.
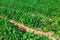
21, 26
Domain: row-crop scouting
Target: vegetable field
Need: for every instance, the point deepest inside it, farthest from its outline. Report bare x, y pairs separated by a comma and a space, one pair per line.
43, 15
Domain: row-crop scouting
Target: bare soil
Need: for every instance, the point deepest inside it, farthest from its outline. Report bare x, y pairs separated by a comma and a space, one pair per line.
49, 34
23, 27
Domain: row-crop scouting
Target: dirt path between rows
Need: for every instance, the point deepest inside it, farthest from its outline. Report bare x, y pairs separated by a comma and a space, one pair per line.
49, 34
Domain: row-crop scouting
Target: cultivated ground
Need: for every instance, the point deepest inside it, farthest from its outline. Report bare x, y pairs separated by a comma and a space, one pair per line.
36, 16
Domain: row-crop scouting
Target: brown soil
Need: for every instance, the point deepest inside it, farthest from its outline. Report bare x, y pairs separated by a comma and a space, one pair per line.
21, 26
49, 34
